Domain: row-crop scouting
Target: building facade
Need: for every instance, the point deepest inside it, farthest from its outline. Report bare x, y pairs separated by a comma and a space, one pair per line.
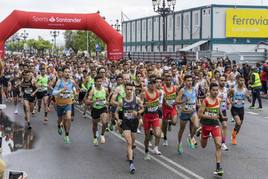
201, 28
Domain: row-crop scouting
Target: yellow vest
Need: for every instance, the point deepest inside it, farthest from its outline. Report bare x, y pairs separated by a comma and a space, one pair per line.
257, 80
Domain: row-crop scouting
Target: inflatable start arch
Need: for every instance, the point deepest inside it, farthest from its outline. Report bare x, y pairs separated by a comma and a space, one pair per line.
92, 22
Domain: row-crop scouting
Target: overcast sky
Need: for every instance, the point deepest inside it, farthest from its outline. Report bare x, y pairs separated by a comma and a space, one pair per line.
109, 8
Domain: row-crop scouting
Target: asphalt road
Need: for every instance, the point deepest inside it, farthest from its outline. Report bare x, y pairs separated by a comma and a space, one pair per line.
51, 158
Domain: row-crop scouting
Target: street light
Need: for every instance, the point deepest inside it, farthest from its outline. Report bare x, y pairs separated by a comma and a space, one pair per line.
24, 35
116, 25
54, 34
164, 9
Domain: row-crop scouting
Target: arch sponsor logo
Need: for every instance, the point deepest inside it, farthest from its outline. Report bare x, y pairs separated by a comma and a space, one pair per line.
54, 19
247, 23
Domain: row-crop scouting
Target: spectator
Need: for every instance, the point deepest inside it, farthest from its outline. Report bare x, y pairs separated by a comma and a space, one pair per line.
264, 78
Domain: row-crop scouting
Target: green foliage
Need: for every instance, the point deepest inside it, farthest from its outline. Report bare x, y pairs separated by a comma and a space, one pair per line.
77, 41
40, 45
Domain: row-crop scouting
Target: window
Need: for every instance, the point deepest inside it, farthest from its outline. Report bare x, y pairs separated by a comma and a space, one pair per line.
149, 25
186, 20
170, 22
196, 19
144, 25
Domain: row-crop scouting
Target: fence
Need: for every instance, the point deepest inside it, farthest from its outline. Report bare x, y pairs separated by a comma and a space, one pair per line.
239, 57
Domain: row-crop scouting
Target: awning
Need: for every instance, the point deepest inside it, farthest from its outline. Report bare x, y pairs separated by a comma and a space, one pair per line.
190, 47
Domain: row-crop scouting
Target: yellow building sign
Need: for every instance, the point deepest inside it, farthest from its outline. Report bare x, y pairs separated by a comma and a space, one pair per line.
247, 23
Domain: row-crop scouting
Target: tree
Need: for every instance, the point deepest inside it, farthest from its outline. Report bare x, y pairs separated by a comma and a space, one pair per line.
77, 41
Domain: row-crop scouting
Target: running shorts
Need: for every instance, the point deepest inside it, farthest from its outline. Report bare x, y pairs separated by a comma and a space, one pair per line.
62, 110
130, 125
214, 130
169, 113
96, 113
150, 120
238, 112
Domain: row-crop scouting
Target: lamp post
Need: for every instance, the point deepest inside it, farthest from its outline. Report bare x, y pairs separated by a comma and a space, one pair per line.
24, 35
54, 34
164, 8
116, 25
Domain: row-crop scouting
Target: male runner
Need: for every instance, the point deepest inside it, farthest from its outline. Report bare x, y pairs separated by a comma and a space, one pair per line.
42, 93
132, 108
187, 98
98, 98
237, 97
209, 114
169, 106
151, 119
64, 92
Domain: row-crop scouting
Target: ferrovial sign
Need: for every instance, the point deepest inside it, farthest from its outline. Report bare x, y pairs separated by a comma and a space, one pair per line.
53, 19
246, 23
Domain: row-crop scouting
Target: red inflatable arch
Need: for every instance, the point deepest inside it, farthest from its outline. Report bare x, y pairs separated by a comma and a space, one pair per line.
92, 22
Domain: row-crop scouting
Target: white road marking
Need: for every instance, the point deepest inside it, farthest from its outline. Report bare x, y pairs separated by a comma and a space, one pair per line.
253, 113
140, 148
266, 117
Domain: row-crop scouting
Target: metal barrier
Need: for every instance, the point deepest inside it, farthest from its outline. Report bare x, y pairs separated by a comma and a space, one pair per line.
240, 57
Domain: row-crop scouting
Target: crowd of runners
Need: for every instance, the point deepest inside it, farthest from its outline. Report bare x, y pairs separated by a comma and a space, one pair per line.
129, 97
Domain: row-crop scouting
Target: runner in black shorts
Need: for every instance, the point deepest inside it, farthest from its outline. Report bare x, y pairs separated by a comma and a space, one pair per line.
131, 108
98, 98
29, 91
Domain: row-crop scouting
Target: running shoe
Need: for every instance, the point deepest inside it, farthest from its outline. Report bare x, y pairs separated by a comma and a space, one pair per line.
102, 139
67, 140
16, 111
165, 143
232, 120
252, 107
234, 142
95, 141
180, 149
60, 130
156, 151
84, 115
45, 121
224, 147
132, 168
259, 109
138, 131
190, 144
147, 156
219, 172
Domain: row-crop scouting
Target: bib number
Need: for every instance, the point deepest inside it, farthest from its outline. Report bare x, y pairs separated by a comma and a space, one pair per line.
153, 109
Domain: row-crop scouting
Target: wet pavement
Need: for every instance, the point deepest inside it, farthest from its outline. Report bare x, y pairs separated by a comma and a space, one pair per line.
14, 135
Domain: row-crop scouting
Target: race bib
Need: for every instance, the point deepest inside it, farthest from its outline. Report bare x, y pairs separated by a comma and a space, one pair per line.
65, 96
210, 114
189, 106
28, 90
240, 102
100, 102
153, 109
129, 115
170, 102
